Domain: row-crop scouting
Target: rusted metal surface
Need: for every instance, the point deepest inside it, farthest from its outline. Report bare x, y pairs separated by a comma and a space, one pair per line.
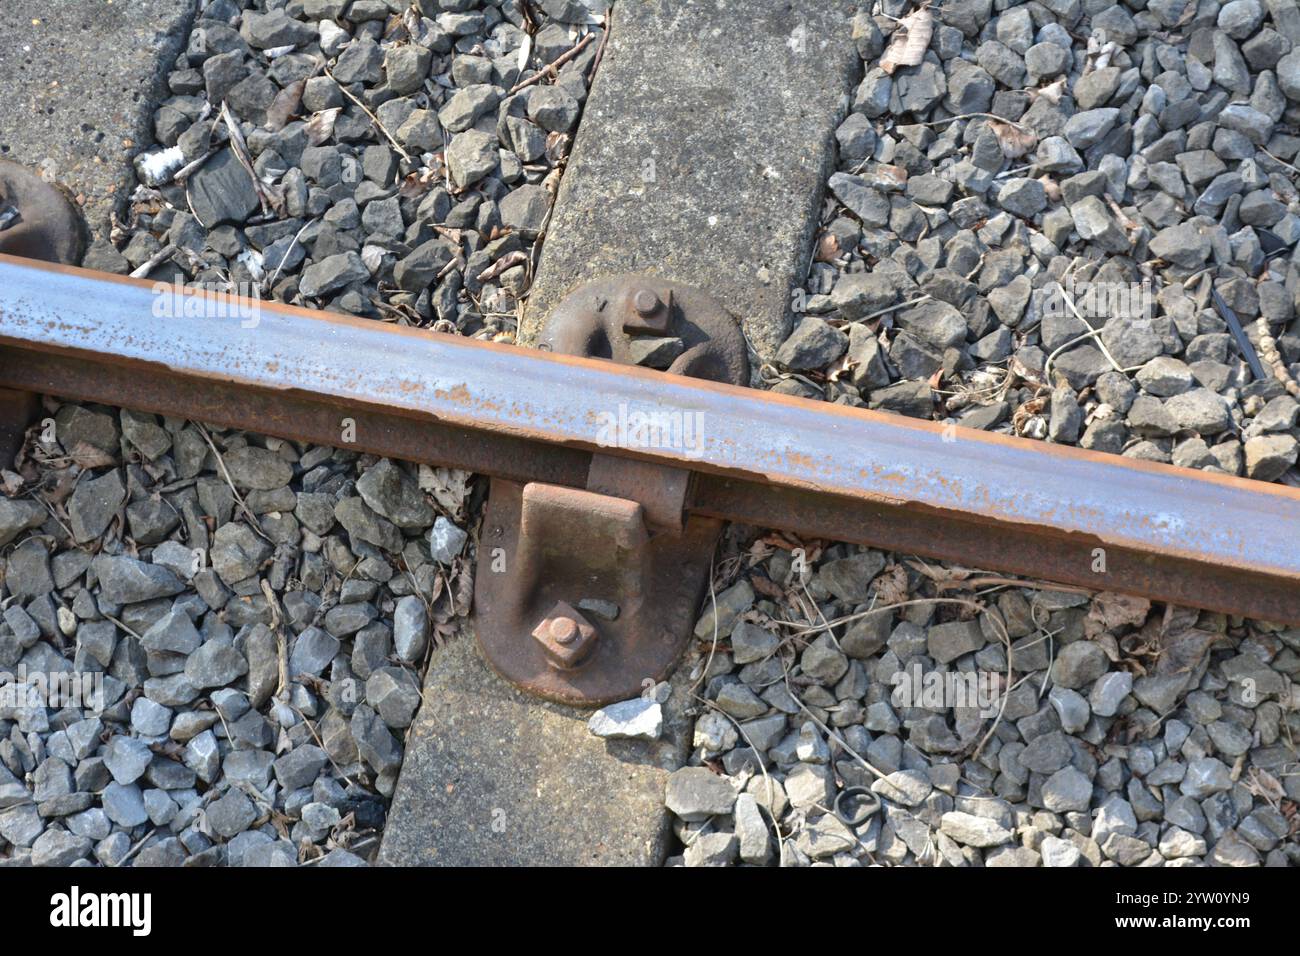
660, 490
36, 219
623, 317
291, 412
1094, 557
624, 543
621, 547
546, 551
17, 411
990, 501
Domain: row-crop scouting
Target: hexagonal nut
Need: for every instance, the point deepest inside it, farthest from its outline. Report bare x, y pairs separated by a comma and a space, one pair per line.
566, 636
647, 311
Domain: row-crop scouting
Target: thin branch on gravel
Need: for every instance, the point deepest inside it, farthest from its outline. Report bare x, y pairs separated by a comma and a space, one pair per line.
225, 473
551, 68
804, 629
266, 286
142, 271
454, 265
713, 600
1077, 340
320, 743
994, 581
1006, 691
36, 497
1280, 162
225, 726
123, 626
1006, 639
829, 631
880, 774
988, 116
776, 826
893, 308
600, 50
190, 168
281, 644
134, 849
240, 149
1090, 334
1050, 638
373, 118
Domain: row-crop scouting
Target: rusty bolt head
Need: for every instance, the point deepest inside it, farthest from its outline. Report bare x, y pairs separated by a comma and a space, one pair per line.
645, 302
647, 313
563, 630
566, 636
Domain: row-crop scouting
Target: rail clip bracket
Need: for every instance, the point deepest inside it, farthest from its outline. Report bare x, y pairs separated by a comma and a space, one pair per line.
37, 221
585, 596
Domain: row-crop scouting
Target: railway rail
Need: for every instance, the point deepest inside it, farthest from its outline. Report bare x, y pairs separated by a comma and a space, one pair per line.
816, 469
610, 481
718, 179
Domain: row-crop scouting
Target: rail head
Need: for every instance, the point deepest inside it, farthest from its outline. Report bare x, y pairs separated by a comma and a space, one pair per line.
95, 326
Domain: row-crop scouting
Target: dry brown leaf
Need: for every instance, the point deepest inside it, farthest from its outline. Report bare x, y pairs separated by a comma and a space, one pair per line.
891, 585
767, 587
840, 367
463, 581
828, 248
1053, 92
508, 261
1263, 784
1108, 644
1182, 645
1113, 610
411, 21
910, 41
449, 487
285, 106
1183, 652
1022, 371
87, 456
776, 539
1027, 411
557, 147
1015, 140
418, 183
321, 125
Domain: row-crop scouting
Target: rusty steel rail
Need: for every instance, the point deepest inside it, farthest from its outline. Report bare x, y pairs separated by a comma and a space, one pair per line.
990, 501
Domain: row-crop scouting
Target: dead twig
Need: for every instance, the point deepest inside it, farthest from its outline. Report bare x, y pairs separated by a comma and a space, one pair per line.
282, 648
993, 581
600, 50
551, 68
776, 826
225, 473
713, 601
190, 168
987, 116
270, 204
142, 271
880, 774
270, 284
373, 118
